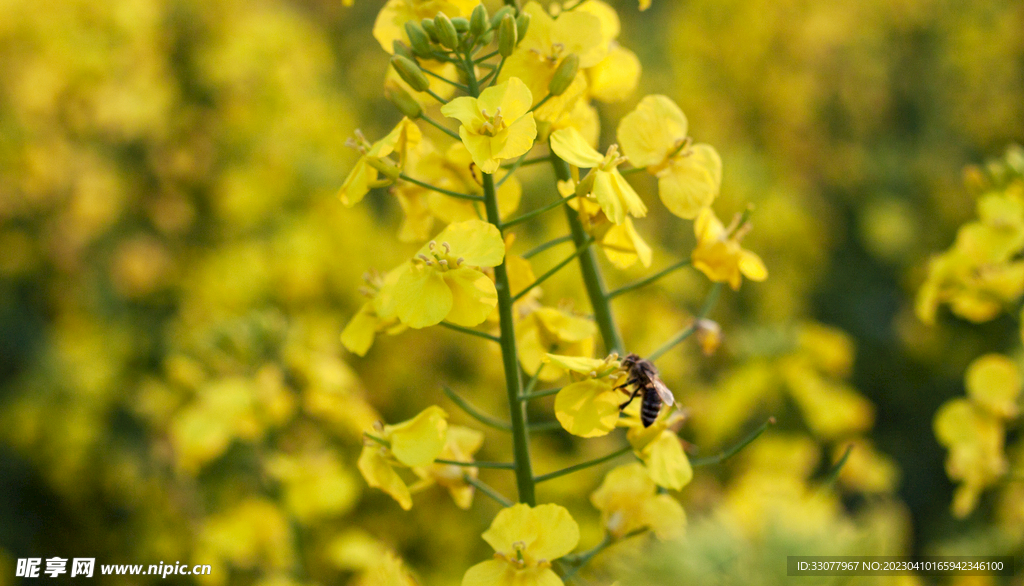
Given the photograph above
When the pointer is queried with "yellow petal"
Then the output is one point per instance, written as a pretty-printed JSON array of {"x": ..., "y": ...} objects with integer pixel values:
[
  {"x": 580, "y": 364},
  {"x": 623, "y": 246},
  {"x": 418, "y": 441},
  {"x": 421, "y": 297},
  {"x": 624, "y": 191},
  {"x": 501, "y": 573},
  {"x": 357, "y": 337},
  {"x": 994, "y": 382},
  {"x": 513, "y": 97},
  {"x": 588, "y": 408},
  {"x": 667, "y": 462},
  {"x": 665, "y": 516},
  {"x": 691, "y": 183},
  {"x": 650, "y": 132},
  {"x": 378, "y": 473},
  {"x": 517, "y": 139},
  {"x": 572, "y": 148},
  {"x": 511, "y": 524},
  {"x": 473, "y": 296},
  {"x": 480, "y": 147},
  {"x": 604, "y": 192},
  {"x": 610, "y": 25},
  {"x": 356, "y": 185},
  {"x": 559, "y": 534},
  {"x": 478, "y": 243},
  {"x": 752, "y": 266},
  {"x": 615, "y": 78},
  {"x": 464, "y": 110}
]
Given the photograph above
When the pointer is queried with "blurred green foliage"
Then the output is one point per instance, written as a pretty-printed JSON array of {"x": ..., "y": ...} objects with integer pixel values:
[{"x": 175, "y": 271}]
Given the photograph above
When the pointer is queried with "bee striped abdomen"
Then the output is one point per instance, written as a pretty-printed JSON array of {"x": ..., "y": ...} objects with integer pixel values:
[{"x": 650, "y": 407}]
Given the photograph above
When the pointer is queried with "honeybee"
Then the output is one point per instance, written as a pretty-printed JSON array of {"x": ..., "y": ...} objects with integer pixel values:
[{"x": 644, "y": 379}]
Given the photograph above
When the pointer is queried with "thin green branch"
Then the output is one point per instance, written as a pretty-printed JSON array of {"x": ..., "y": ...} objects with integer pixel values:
[
  {"x": 719, "y": 458},
  {"x": 435, "y": 96},
  {"x": 545, "y": 426},
  {"x": 512, "y": 169},
  {"x": 497, "y": 465},
  {"x": 494, "y": 74},
  {"x": 549, "y": 244},
  {"x": 531, "y": 215},
  {"x": 539, "y": 394},
  {"x": 686, "y": 332},
  {"x": 441, "y": 127},
  {"x": 455, "y": 194},
  {"x": 833, "y": 473},
  {"x": 582, "y": 465},
  {"x": 553, "y": 270},
  {"x": 379, "y": 440},
  {"x": 632, "y": 171},
  {"x": 647, "y": 281},
  {"x": 487, "y": 56},
  {"x": 577, "y": 561},
  {"x": 470, "y": 331},
  {"x": 455, "y": 84},
  {"x": 533, "y": 382},
  {"x": 541, "y": 103},
  {"x": 479, "y": 485},
  {"x": 476, "y": 413},
  {"x": 528, "y": 162}
]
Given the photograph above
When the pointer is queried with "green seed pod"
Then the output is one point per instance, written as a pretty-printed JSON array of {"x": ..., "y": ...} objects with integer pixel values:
[
  {"x": 487, "y": 38},
  {"x": 405, "y": 103},
  {"x": 461, "y": 24},
  {"x": 430, "y": 29},
  {"x": 400, "y": 48},
  {"x": 418, "y": 39},
  {"x": 508, "y": 35},
  {"x": 479, "y": 21},
  {"x": 410, "y": 73},
  {"x": 386, "y": 166},
  {"x": 446, "y": 33},
  {"x": 500, "y": 15},
  {"x": 523, "y": 25},
  {"x": 564, "y": 75}
]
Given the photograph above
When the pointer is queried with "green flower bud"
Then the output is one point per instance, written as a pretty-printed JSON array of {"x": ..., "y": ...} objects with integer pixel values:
[
  {"x": 523, "y": 24},
  {"x": 410, "y": 73},
  {"x": 564, "y": 75},
  {"x": 461, "y": 24},
  {"x": 386, "y": 166},
  {"x": 418, "y": 38},
  {"x": 405, "y": 103},
  {"x": 500, "y": 15},
  {"x": 400, "y": 48},
  {"x": 446, "y": 33},
  {"x": 487, "y": 38},
  {"x": 479, "y": 21},
  {"x": 431, "y": 29},
  {"x": 508, "y": 35}
]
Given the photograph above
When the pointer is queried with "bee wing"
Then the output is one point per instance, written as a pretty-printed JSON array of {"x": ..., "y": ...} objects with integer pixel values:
[{"x": 663, "y": 392}]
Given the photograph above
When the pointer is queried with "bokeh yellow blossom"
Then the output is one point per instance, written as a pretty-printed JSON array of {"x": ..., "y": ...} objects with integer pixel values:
[
  {"x": 628, "y": 500},
  {"x": 718, "y": 253}
]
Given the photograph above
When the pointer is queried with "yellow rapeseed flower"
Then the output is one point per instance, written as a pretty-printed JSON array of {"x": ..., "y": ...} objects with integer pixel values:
[
  {"x": 994, "y": 382},
  {"x": 615, "y": 77},
  {"x": 525, "y": 540},
  {"x": 359, "y": 333},
  {"x": 413, "y": 443},
  {"x": 549, "y": 330},
  {"x": 621, "y": 243},
  {"x": 460, "y": 445},
  {"x": 443, "y": 281},
  {"x": 589, "y": 407},
  {"x": 975, "y": 441},
  {"x": 659, "y": 448},
  {"x": 628, "y": 500},
  {"x": 718, "y": 253},
  {"x": 615, "y": 195},
  {"x": 390, "y": 24},
  {"x": 364, "y": 176},
  {"x": 654, "y": 135},
  {"x": 496, "y": 126}
]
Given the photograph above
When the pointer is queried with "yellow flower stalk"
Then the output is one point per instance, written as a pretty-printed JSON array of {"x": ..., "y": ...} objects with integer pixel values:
[
  {"x": 496, "y": 126},
  {"x": 416, "y": 442},
  {"x": 654, "y": 135},
  {"x": 526, "y": 540},
  {"x": 547, "y": 43},
  {"x": 628, "y": 500},
  {"x": 364, "y": 176},
  {"x": 615, "y": 195},
  {"x": 718, "y": 253},
  {"x": 444, "y": 282}
]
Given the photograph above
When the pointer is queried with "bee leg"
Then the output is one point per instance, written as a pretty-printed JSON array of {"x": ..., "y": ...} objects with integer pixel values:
[
  {"x": 631, "y": 397},
  {"x": 626, "y": 384}
]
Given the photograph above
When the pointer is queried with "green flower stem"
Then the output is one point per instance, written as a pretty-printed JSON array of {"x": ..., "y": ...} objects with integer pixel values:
[
  {"x": 643, "y": 282},
  {"x": 435, "y": 96},
  {"x": 582, "y": 465},
  {"x": 441, "y": 127},
  {"x": 533, "y": 382},
  {"x": 455, "y": 84},
  {"x": 487, "y": 56},
  {"x": 539, "y": 394},
  {"x": 541, "y": 103},
  {"x": 833, "y": 473},
  {"x": 379, "y": 440},
  {"x": 497, "y": 465},
  {"x": 545, "y": 426},
  {"x": 549, "y": 244},
  {"x": 719, "y": 458},
  {"x": 528, "y": 162},
  {"x": 686, "y": 332},
  {"x": 476, "y": 413},
  {"x": 632, "y": 171},
  {"x": 530, "y": 215},
  {"x": 591, "y": 272},
  {"x": 577, "y": 561},
  {"x": 512, "y": 169},
  {"x": 470, "y": 331},
  {"x": 510, "y": 358},
  {"x": 584, "y": 247},
  {"x": 455, "y": 194},
  {"x": 479, "y": 485}
]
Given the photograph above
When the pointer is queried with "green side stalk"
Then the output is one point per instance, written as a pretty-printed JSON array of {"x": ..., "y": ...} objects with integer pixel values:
[
  {"x": 509, "y": 358},
  {"x": 591, "y": 272}
]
